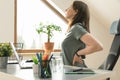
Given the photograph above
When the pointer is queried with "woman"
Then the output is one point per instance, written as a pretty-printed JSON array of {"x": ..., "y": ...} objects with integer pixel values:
[{"x": 78, "y": 42}]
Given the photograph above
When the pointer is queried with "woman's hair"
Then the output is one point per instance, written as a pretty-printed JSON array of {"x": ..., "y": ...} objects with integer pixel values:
[{"x": 82, "y": 15}]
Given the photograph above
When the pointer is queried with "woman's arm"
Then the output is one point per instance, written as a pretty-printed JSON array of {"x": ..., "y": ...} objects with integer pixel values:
[{"x": 92, "y": 45}]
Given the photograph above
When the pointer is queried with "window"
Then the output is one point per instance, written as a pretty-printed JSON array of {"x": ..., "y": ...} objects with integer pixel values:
[{"x": 29, "y": 14}]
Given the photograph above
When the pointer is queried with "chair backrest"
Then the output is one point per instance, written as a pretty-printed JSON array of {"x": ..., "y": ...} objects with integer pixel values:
[{"x": 114, "y": 53}]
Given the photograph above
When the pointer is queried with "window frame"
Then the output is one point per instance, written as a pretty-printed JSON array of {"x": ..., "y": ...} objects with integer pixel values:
[{"x": 52, "y": 7}]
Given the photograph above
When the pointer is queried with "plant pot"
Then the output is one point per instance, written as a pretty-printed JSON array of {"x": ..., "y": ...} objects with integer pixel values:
[
  {"x": 35, "y": 68},
  {"x": 3, "y": 62},
  {"x": 49, "y": 47}
]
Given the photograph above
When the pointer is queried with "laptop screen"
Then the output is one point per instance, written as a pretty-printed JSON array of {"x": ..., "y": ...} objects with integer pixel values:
[{"x": 15, "y": 52}]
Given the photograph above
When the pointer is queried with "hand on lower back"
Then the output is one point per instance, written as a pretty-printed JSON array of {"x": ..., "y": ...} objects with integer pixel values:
[{"x": 77, "y": 59}]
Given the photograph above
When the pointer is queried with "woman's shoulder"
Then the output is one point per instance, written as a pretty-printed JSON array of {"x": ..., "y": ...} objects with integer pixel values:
[{"x": 78, "y": 26}]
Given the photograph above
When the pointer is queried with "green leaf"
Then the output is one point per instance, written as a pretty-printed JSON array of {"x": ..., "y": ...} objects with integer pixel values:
[
  {"x": 48, "y": 30},
  {"x": 35, "y": 60}
]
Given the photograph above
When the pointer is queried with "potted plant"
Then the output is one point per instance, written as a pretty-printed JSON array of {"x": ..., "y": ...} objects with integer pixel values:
[
  {"x": 35, "y": 65},
  {"x": 5, "y": 52},
  {"x": 48, "y": 29}
]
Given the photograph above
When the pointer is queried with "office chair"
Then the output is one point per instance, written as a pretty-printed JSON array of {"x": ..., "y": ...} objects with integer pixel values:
[{"x": 114, "y": 53}]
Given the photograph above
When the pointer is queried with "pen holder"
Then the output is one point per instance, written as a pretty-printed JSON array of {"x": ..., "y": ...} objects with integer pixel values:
[{"x": 44, "y": 70}]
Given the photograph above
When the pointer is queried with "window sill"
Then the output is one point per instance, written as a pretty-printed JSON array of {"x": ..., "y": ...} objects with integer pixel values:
[{"x": 35, "y": 50}]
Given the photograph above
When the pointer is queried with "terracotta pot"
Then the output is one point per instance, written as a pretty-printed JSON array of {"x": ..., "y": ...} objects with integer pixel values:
[{"x": 49, "y": 47}]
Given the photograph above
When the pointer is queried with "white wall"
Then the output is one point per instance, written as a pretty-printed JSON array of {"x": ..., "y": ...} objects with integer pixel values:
[{"x": 6, "y": 20}]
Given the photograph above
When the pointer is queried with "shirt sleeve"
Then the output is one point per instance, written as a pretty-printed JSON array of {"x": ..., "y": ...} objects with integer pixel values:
[{"x": 78, "y": 31}]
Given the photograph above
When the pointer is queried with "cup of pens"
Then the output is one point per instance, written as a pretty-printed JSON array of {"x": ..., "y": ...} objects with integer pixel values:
[{"x": 44, "y": 70}]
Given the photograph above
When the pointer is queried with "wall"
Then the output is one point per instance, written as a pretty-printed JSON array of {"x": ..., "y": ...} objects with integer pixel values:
[{"x": 6, "y": 20}]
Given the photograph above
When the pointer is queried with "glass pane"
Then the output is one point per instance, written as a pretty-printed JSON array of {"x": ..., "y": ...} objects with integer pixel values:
[{"x": 29, "y": 14}]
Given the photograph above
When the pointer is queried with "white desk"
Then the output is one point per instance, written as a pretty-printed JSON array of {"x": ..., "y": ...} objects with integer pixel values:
[{"x": 27, "y": 74}]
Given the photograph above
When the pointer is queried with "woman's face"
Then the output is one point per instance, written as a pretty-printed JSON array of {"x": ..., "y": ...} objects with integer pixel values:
[{"x": 70, "y": 13}]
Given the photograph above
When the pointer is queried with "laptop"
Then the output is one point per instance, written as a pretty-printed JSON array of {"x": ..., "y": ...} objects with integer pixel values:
[{"x": 24, "y": 64}]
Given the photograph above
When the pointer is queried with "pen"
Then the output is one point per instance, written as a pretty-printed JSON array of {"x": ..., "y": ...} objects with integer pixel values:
[
  {"x": 38, "y": 56},
  {"x": 50, "y": 57},
  {"x": 79, "y": 73},
  {"x": 77, "y": 70},
  {"x": 41, "y": 57}
]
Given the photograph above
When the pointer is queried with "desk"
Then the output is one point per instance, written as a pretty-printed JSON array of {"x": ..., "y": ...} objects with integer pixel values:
[{"x": 27, "y": 74}]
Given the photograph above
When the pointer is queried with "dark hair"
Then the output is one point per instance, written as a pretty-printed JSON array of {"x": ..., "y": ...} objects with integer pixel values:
[{"x": 82, "y": 15}]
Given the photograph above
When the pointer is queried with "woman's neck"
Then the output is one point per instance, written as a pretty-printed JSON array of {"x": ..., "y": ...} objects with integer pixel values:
[{"x": 69, "y": 24}]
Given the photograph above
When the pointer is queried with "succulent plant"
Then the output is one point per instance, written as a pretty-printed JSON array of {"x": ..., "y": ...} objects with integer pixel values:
[
  {"x": 5, "y": 50},
  {"x": 35, "y": 60}
]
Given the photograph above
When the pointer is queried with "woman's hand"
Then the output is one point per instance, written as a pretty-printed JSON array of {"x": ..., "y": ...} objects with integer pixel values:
[{"x": 77, "y": 59}]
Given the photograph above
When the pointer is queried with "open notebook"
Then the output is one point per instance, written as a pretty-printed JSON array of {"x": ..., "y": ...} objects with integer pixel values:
[
  {"x": 24, "y": 64},
  {"x": 78, "y": 70}
]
